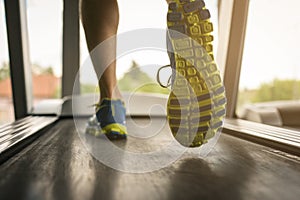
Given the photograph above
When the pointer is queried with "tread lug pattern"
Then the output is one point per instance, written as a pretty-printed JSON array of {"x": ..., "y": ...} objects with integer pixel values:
[
  {"x": 196, "y": 105},
  {"x": 193, "y": 6}
]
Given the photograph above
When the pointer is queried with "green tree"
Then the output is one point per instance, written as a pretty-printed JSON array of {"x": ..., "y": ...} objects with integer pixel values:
[
  {"x": 275, "y": 90},
  {"x": 48, "y": 70},
  {"x": 278, "y": 90},
  {"x": 88, "y": 88},
  {"x": 4, "y": 71},
  {"x": 137, "y": 80},
  {"x": 38, "y": 69}
]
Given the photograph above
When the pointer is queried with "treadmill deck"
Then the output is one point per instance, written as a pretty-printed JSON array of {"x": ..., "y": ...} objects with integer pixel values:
[{"x": 58, "y": 166}]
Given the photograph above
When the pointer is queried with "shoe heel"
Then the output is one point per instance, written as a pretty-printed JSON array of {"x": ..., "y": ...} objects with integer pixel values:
[{"x": 196, "y": 105}]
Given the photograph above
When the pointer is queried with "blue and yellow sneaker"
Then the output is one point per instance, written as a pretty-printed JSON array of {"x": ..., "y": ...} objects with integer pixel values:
[
  {"x": 196, "y": 104},
  {"x": 110, "y": 120}
]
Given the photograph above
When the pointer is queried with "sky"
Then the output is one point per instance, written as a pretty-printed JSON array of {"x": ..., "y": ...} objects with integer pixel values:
[
  {"x": 45, "y": 33},
  {"x": 272, "y": 46}
]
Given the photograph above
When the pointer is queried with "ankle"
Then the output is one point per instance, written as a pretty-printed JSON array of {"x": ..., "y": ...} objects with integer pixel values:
[{"x": 115, "y": 94}]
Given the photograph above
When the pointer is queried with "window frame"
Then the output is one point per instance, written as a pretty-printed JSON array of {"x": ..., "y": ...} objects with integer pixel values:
[
  {"x": 232, "y": 30},
  {"x": 17, "y": 33},
  {"x": 16, "y": 24}
]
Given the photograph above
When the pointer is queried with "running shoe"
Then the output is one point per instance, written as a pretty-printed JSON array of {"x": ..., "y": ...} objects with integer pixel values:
[
  {"x": 196, "y": 104},
  {"x": 110, "y": 119}
]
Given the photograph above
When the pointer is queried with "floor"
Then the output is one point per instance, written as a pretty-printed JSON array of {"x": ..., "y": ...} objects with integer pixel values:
[{"x": 58, "y": 165}]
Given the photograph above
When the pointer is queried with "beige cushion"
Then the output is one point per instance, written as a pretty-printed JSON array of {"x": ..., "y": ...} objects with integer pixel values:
[
  {"x": 276, "y": 113},
  {"x": 290, "y": 114}
]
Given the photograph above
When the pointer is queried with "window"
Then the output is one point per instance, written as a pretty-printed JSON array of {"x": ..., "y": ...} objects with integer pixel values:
[
  {"x": 6, "y": 102},
  {"x": 44, "y": 18},
  {"x": 143, "y": 63},
  {"x": 270, "y": 76}
]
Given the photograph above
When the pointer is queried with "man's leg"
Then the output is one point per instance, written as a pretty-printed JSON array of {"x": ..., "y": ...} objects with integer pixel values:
[{"x": 100, "y": 20}]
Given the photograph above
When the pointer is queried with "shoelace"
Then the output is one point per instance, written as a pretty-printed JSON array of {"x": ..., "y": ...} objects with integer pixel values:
[
  {"x": 96, "y": 106},
  {"x": 158, "y": 78}
]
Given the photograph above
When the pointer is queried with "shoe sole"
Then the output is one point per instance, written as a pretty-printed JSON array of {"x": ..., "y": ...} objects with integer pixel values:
[
  {"x": 115, "y": 131},
  {"x": 112, "y": 131},
  {"x": 196, "y": 105}
]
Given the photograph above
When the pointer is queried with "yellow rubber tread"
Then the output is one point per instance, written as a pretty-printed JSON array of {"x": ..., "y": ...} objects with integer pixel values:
[
  {"x": 196, "y": 105},
  {"x": 112, "y": 131},
  {"x": 122, "y": 130}
]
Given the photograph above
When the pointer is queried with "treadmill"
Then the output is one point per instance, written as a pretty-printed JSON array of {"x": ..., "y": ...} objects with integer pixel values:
[{"x": 45, "y": 154}]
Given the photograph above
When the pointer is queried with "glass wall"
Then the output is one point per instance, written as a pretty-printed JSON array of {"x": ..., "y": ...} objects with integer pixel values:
[
  {"x": 6, "y": 103},
  {"x": 136, "y": 70},
  {"x": 271, "y": 68},
  {"x": 45, "y": 18}
]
